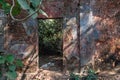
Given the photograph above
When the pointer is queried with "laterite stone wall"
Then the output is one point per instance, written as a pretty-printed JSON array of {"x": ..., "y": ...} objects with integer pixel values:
[
  {"x": 21, "y": 39},
  {"x": 91, "y": 31},
  {"x": 100, "y": 32}
]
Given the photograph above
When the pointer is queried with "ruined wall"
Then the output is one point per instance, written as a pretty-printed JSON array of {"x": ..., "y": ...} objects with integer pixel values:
[
  {"x": 70, "y": 39},
  {"x": 99, "y": 38},
  {"x": 107, "y": 16},
  {"x": 21, "y": 39},
  {"x": 88, "y": 32},
  {"x": 53, "y": 8},
  {"x": 100, "y": 32}
]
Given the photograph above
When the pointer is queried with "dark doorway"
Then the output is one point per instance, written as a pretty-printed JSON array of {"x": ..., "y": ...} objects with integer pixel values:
[{"x": 50, "y": 44}]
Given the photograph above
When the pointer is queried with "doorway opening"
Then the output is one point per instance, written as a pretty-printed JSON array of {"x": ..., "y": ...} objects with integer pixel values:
[{"x": 50, "y": 44}]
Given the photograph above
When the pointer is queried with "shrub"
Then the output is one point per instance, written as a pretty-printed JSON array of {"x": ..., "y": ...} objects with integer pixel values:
[{"x": 8, "y": 66}]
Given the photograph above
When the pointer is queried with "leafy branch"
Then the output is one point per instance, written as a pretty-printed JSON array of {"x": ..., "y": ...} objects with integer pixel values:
[
  {"x": 31, "y": 6},
  {"x": 24, "y": 7},
  {"x": 8, "y": 66}
]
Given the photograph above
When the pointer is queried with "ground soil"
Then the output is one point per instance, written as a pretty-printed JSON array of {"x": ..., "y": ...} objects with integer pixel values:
[{"x": 55, "y": 72}]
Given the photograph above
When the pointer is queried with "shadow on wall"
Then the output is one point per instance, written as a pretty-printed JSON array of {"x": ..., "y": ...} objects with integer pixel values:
[{"x": 88, "y": 32}]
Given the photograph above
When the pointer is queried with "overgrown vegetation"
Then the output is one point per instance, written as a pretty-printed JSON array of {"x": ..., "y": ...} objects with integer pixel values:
[
  {"x": 90, "y": 76},
  {"x": 74, "y": 77},
  {"x": 50, "y": 36},
  {"x": 14, "y": 8},
  {"x": 8, "y": 66}
]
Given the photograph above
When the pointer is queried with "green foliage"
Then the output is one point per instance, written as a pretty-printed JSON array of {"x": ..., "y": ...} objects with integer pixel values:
[
  {"x": 43, "y": 13},
  {"x": 8, "y": 65},
  {"x": 5, "y": 6},
  {"x": 35, "y": 3},
  {"x": 12, "y": 67},
  {"x": 31, "y": 6},
  {"x": 31, "y": 11},
  {"x": 9, "y": 58},
  {"x": 50, "y": 35},
  {"x": 2, "y": 59},
  {"x": 16, "y": 9},
  {"x": 18, "y": 63},
  {"x": 12, "y": 75},
  {"x": 91, "y": 75},
  {"x": 24, "y": 4},
  {"x": 74, "y": 77}
]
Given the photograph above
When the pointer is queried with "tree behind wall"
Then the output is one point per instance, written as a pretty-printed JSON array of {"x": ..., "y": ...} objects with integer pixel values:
[{"x": 50, "y": 36}]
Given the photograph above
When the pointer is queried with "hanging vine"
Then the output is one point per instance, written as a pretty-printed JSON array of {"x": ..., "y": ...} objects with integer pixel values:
[{"x": 14, "y": 8}]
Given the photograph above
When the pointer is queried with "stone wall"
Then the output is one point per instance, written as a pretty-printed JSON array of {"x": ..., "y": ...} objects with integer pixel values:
[
  {"x": 99, "y": 36},
  {"x": 21, "y": 39},
  {"x": 106, "y": 14},
  {"x": 53, "y": 8},
  {"x": 70, "y": 35},
  {"x": 100, "y": 32}
]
